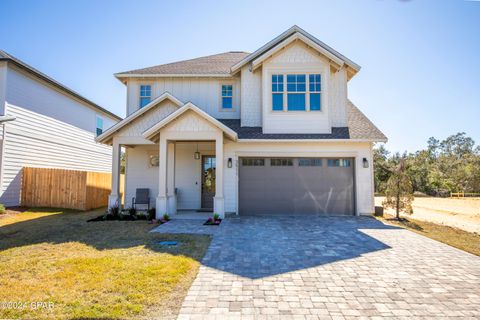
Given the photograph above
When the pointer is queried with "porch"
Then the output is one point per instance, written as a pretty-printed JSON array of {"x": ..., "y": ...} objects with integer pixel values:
[{"x": 180, "y": 159}]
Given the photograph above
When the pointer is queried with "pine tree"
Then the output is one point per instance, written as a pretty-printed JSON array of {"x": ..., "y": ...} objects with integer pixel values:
[{"x": 399, "y": 190}]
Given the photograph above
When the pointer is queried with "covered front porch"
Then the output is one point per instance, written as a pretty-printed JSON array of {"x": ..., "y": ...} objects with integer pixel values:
[{"x": 179, "y": 159}]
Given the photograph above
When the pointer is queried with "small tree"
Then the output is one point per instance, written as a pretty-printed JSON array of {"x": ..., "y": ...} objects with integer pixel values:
[{"x": 399, "y": 190}]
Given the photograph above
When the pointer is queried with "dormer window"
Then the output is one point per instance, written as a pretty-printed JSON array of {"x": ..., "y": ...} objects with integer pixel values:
[
  {"x": 277, "y": 92},
  {"x": 296, "y": 88},
  {"x": 227, "y": 96},
  {"x": 303, "y": 92},
  {"x": 315, "y": 89},
  {"x": 145, "y": 94}
]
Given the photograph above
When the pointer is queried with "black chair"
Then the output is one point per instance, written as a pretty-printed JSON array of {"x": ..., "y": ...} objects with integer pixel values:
[{"x": 142, "y": 197}]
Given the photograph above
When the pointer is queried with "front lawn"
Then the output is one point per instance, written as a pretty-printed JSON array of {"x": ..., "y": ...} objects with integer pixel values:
[
  {"x": 111, "y": 269},
  {"x": 466, "y": 241}
]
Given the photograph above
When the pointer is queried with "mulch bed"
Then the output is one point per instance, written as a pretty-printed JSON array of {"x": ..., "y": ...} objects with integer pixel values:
[{"x": 211, "y": 222}]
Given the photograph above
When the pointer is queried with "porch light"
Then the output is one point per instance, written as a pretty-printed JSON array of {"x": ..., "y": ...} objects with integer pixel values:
[
  {"x": 196, "y": 155},
  {"x": 365, "y": 163},
  {"x": 229, "y": 163}
]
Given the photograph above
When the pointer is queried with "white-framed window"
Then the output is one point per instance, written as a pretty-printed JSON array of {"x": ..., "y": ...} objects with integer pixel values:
[
  {"x": 145, "y": 94},
  {"x": 227, "y": 96},
  {"x": 99, "y": 125},
  {"x": 302, "y": 92}
]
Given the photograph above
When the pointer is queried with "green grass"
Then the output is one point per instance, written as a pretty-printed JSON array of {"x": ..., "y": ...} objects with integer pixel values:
[
  {"x": 466, "y": 241},
  {"x": 109, "y": 269}
]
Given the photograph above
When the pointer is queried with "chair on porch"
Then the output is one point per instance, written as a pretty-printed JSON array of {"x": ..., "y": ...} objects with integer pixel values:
[{"x": 142, "y": 197}]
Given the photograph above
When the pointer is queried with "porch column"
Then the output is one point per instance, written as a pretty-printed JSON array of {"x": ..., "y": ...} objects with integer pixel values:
[
  {"x": 218, "y": 201},
  {"x": 114, "y": 197},
  {"x": 171, "y": 196},
  {"x": 161, "y": 202}
]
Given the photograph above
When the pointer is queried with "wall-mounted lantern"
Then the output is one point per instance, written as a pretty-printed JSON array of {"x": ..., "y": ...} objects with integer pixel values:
[
  {"x": 196, "y": 155},
  {"x": 365, "y": 163},
  {"x": 229, "y": 162}
]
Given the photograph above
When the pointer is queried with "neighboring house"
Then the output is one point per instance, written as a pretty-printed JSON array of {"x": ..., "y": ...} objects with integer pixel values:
[
  {"x": 270, "y": 132},
  {"x": 52, "y": 127}
]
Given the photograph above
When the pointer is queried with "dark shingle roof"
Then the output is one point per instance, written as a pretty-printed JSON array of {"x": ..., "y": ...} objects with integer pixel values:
[
  {"x": 4, "y": 56},
  {"x": 215, "y": 64},
  {"x": 359, "y": 128}
]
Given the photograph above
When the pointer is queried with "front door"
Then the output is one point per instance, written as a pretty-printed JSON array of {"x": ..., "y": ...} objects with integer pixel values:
[{"x": 208, "y": 181}]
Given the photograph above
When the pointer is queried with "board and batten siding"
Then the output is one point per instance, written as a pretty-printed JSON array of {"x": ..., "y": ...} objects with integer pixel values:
[
  {"x": 205, "y": 93},
  {"x": 35, "y": 140}
]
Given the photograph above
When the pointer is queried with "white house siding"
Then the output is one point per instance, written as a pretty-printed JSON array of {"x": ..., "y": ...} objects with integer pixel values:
[
  {"x": 139, "y": 172},
  {"x": 3, "y": 85},
  {"x": 188, "y": 179},
  {"x": 251, "y": 98},
  {"x": 359, "y": 150},
  {"x": 35, "y": 140},
  {"x": 51, "y": 130},
  {"x": 338, "y": 98},
  {"x": 37, "y": 96},
  {"x": 203, "y": 92},
  {"x": 296, "y": 58}
]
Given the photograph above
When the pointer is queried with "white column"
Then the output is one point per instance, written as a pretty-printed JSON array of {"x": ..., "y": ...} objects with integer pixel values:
[
  {"x": 171, "y": 196},
  {"x": 218, "y": 201},
  {"x": 114, "y": 197},
  {"x": 161, "y": 203}
]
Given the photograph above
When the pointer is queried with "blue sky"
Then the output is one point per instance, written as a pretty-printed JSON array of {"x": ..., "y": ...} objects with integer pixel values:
[{"x": 420, "y": 59}]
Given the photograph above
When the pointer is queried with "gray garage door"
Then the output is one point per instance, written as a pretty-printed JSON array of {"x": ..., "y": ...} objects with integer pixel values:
[{"x": 296, "y": 186}]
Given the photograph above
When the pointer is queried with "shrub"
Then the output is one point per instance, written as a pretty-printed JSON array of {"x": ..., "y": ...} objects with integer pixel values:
[
  {"x": 113, "y": 213},
  {"x": 166, "y": 217},
  {"x": 151, "y": 214},
  {"x": 132, "y": 211},
  {"x": 2, "y": 209},
  {"x": 216, "y": 216}
]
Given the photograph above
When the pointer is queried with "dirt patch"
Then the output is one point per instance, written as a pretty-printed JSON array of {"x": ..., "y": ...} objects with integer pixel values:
[{"x": 458, "y": 213}]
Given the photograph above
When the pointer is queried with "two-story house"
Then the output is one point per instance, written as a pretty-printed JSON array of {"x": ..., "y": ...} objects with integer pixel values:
[
  {"x": 51, "y": 126},
  {"x": 268, "y": 132}
]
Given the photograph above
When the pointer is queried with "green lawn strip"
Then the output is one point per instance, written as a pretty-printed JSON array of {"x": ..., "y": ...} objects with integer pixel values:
[{"x": 110, "y": 269}]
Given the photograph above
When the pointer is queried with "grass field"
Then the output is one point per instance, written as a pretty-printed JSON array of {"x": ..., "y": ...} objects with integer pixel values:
[
  {"x": 467, "y": 241},
  {"x": 111, "y": 269},
  {"x": 463, "y": 213}
]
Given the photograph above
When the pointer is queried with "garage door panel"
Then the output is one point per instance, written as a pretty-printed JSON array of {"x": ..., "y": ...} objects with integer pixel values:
[{"x": 287, "y": 190}]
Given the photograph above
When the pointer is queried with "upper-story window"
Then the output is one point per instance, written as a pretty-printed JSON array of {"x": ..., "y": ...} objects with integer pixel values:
[
  {"x": 277, "y": 92},
  {"x": 315, "y": 87},
  {"x": 145, "y": 94},
  {"x": 227, "y": 96},
  {"x": 296, "y": 88},
  {"x": 303, "y": 92},
  {"x": 99, "y": 125}
]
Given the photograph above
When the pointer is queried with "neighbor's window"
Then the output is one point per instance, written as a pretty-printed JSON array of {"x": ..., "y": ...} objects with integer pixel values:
[
  {"x": 145, "y": 95},
  {"x": 310, "y": 162},
  {"x": 296, "y": 88},
  {"x": 338, "y": 162},
  {"x": 227, "y": 96},
  {"x": 315, "y": 89},
  {"x": 277, "y": 92},
  {"x": 253, "y": 162},
  {"x": 99, "y": 125},
  {"x": 285, "y": 162}
]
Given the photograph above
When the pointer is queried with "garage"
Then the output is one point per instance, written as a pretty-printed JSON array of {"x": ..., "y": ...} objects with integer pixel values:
[{"x": 296, "y": 186}]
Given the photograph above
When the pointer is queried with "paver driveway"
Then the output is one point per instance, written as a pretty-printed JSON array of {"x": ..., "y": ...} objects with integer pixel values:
[{"x": 327, "y": 267}]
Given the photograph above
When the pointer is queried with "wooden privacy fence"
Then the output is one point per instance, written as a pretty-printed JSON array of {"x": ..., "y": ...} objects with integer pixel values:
[
  {"x": 59, "y": 188},
  {"x": 463, "y": 194}
]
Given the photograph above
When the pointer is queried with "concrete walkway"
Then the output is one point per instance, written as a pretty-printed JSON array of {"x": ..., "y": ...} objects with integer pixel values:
[{"x": 327, "y": 268}]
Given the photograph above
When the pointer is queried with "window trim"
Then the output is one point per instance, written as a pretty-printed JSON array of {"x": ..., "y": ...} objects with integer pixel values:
[
  {"x": 140, "y": 94},
  {"x": 234, "y": 107},
  {"x": 296, "y": 71},
  {"x": 98, "y": 117}
]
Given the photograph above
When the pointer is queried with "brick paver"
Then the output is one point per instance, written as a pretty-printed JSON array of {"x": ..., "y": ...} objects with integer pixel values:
[{"x": 327, "y": 268}]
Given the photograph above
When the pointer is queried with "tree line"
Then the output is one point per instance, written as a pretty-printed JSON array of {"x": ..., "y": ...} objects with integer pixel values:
[{"x": 450, "y": 165}]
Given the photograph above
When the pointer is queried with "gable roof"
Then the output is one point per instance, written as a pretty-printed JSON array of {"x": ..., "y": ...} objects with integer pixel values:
[
  {"x": 105, "y": 136},
  {"x": 214, "y": 65},
  {"x": 359, "y": 128},
  {"x": 4, "y": 56},
  {"x": 304, "y": 36},
  {"x": 149, "y": 133}
]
